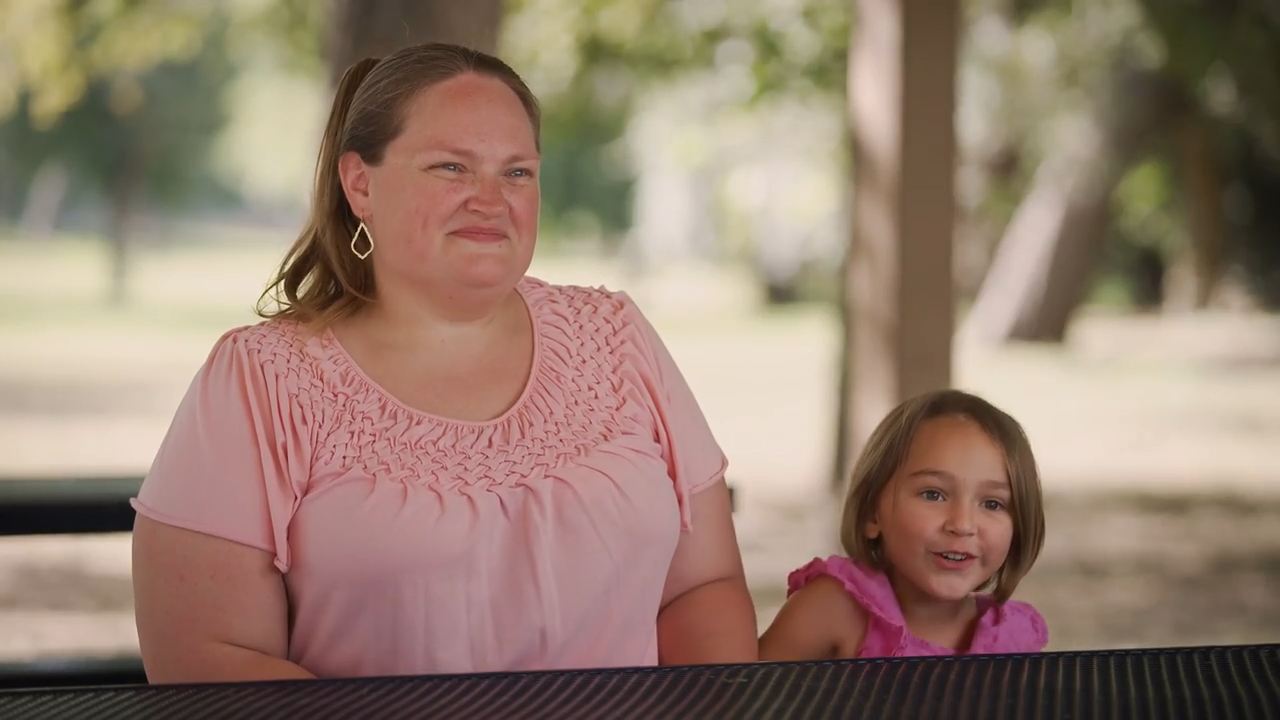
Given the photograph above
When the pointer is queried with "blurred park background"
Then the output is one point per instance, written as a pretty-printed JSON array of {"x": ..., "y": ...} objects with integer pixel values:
[{"x": 1104, "y": 251}]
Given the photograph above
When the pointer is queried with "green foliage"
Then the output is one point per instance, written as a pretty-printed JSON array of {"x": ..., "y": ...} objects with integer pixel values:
[
  {"x": 1039, "y": 73},
  {"x": 1228, "y": 53},
  {"x": 1146, "y": 208},
  {"x": 1253, "y": 216},
  {"x": 53, "y": 51},
  {"x": 1147, "y": 231},
  {"x": 590, "y": 61},
  {"x": 294, "y": 29},
  {"x": 585, "y": 191},
  {"x": 152, "y": 127},
  {"x": 109, "y": 88},
  {"x": 786, "y": 45}
]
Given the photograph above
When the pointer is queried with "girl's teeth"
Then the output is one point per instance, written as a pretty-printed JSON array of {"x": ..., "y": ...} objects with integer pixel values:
[{"x": 955, "y": 556}]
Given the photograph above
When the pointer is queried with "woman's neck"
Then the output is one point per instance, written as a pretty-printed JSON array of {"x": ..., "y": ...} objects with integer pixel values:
[{"x": 426, "y": 320}]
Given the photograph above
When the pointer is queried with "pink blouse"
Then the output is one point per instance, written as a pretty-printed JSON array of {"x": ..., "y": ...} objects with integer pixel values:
[
  {"x": 1009, "y": 627},
  {"x": 412, "y": 543}
]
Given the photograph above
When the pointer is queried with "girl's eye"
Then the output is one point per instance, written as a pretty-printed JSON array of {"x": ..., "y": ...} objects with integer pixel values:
[
  {"x": 931, "y": 495},
  {"x": 994, "y": 505}
]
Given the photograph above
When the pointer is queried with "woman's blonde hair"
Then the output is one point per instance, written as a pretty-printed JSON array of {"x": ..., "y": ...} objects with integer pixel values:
[
  {"x": 320, "y": 280},
  {"x": 887, "y": 449}
]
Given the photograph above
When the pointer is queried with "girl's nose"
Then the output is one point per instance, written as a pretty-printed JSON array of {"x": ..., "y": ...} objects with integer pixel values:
[{"x": 959, "y": 520}]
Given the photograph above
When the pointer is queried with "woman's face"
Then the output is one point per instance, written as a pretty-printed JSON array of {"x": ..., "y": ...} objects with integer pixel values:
[{"x": 453, "y": 206}]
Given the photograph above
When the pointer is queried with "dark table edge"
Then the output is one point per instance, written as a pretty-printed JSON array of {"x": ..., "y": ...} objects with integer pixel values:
[{"x": 654, "y": 670}]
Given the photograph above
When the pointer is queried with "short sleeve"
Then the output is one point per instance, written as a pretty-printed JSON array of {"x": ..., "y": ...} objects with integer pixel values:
[
  {"x": 233, "y": 462},
  {"x": 1013, "y": 626},
  {"x": 869, "y": 588},
  {"x": 886, "y": 634},
  {"x": 694, "y": 458}
]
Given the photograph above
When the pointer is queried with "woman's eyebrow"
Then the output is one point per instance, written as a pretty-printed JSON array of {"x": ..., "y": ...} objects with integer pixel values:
[{"x": 519, "y": 157}]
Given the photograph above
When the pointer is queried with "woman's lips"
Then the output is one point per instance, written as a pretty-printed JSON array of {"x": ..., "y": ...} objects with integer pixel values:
[{"x": 480, "y": 234}]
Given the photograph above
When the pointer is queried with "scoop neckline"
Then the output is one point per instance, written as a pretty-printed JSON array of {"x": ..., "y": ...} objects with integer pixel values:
[{"x": 529, "y": 383}]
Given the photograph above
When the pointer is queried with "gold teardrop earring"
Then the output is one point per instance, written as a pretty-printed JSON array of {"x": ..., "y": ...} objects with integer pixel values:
[{"x": 354, "y": 238}]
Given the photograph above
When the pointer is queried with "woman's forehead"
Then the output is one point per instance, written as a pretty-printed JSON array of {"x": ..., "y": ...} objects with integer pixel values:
[{"x": 465, "y": 108}]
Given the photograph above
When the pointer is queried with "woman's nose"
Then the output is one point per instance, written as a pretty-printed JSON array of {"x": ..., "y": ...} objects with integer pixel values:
[{"x": 486, "y": 196}]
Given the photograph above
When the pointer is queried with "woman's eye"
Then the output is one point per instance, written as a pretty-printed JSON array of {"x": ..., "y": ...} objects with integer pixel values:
[
  {"x": 993, "y": 504},
  {"x": 931, "y": 495},
  {"x": 449, "y": 167},
  {"x": 520, "y": 173}
]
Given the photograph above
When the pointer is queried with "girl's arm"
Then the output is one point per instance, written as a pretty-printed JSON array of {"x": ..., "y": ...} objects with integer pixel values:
[
  {"x": 208, "y": 609},
  {"x": 707, "y": 615},
  {"x": 818, "y": 622}
]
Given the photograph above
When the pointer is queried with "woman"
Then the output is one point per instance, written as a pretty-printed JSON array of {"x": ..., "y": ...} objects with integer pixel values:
[{"x": 425, "y": 461}]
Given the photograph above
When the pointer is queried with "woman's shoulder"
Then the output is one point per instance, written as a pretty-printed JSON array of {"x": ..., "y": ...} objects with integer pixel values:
[
  {"x": 581, "y": 310},
  {"x": 578, "y": 297},
  {"x": 268, "y": 336},
  {"x": 272, "y": 345}
]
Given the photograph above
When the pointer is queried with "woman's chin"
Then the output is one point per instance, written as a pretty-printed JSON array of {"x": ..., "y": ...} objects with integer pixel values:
[{"x": 489, "y": 275}]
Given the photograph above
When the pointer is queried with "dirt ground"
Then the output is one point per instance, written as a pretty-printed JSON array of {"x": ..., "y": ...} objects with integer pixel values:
[{"x": 1158, "y": 439}]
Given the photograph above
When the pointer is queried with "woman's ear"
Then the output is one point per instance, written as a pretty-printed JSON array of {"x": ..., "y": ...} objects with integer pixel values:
[{"x": 353, "y": 172}]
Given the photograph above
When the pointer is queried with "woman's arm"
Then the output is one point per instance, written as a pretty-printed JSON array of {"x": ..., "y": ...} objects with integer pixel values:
[
  {"x": 208, "y": 609},
  {"x": 707, "y": 615},
  {"x": 818, "y": 622}
]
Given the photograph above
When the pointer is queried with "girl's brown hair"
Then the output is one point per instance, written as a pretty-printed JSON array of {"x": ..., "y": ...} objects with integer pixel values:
[
  {"x": 320, "y": 280},
  {"x": 887, "y": 449}
]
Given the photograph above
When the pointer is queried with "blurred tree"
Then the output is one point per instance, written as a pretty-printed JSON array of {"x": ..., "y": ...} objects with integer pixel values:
[
  {"x": 375, "y": 28},
  {"x": 593, "y": 61},
  {"x": 1166, "y": 77},
  {"x": 1252, "y": 213},
  {"x": 1227, "y": 54},
  {"x": 1051, "y": 246},
  {"x": 121, "y": 96},
  {"x": 53, "y": 51}
]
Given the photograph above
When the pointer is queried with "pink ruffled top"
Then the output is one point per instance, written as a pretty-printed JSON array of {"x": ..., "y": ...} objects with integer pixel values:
[
  {"x": 1009, "y": 627},
  {"x": 412, "y": 543}
]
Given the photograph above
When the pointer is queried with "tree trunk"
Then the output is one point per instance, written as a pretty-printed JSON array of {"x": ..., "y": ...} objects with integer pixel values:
[
  {"x": 1195, "y": 274},
  {"x": 44, "y": 200},
  {"x": 124, "y": 193},
  {"x": 1049, "y": 250},
  {"x": 898, "y": 288},
  {"x": 376, "y": 28}
]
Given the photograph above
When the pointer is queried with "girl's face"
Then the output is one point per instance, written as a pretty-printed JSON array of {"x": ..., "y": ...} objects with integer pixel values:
[
  {"x": 453, "y": 206},
  {"x": 943, "y": 519}
]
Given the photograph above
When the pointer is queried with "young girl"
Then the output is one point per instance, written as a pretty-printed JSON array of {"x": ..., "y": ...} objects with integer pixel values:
[{"x": 944, "y": 501}]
